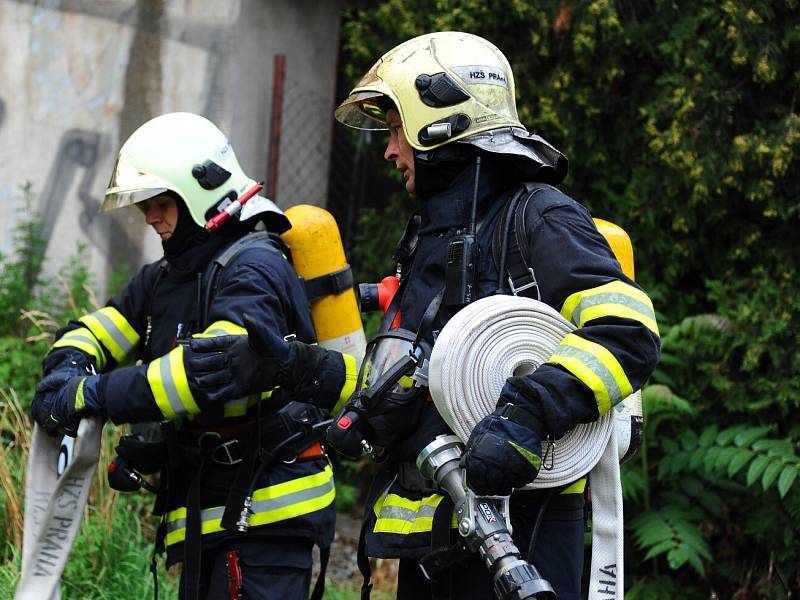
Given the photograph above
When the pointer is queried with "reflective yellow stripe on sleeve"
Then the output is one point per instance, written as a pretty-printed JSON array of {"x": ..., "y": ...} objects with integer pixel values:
[
  {"x": 239, "y": 406},
  {"x": 614, "y": 299},
  {"x": 596, "y": 367},
  {"x": 113, "y": 331},
  {"x": 350, "y": 377},
  {"x": 576, "y": 488},
  {"x": 170, "y": 387},
  {"x": 218, "y": 328},
  {"x": 80, "y": 402},
  {"x": 271, "y": 504},
  {"x": 83, "y": 339}
]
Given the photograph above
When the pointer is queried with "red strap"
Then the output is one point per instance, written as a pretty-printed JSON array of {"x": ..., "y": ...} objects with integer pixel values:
[
  {"x": 234, "y": 574},
  {"x": 313, "y": 451}
]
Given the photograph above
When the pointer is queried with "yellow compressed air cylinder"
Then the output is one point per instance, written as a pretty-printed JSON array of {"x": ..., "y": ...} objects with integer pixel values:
[
  {"x": 316, "y": 251},
  {"x": 620, "y": 244},
  {"x": 628, "y": 414}
]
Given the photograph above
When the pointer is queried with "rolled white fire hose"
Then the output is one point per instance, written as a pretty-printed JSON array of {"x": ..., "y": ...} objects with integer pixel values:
[
  {"x": 60, "y": 473},
  {"x": 500, "y": 336}
]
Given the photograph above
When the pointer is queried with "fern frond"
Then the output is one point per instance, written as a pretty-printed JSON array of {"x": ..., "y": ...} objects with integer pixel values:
[
  {"x": 672, "y": 531},
  {"x": 724, "y": 453}
]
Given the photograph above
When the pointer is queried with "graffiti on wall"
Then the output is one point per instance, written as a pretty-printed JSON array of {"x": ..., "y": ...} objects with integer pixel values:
[
  {"x": 72, "y": 181},
  {"x": 76, "y": 160}
]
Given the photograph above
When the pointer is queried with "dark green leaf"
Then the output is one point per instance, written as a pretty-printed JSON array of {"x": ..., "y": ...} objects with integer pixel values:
[
  {"x": 688, "y": 439},
  {"x": 724, "y": 458},
  {"x": 770, "y": 473},
  {"x": 677, "y": 557},
  {"x": 788, "y": 475},
  {"x": 659, "y": 548},
  {"x": 725, "y": 436},
  {"x": 742, "y": 457},
  {"x": 708, "y": 436},
  {"x": 756, "y": 469},
  {"x": 747, "y": 437}
]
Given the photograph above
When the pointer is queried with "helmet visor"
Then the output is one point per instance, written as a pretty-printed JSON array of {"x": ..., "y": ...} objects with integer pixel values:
[
  {"x": 364, "y": 110},
  {"x": 130, "y": 186}
]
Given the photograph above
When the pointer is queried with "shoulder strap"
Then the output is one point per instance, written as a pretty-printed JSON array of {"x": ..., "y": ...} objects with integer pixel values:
[
  {"x": 213, "y": 273},
  {"x": 511, "y": 251}
]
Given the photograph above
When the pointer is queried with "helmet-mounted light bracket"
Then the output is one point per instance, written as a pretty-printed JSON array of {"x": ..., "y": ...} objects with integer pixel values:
[
  {"x": 435, "y": 132},
  {"x": 210, "y": 175}
]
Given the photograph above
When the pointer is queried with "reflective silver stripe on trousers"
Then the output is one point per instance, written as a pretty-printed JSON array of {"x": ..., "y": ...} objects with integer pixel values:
[
  {"x": 176, "y": 525},
  {"x": 263, "y": 506},
  {"x": 406, "y": 514}
]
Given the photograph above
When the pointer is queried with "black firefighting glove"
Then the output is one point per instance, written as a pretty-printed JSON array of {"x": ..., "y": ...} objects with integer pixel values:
[
  {"x": 504, "y": 451},
  {"x": 63, "y": 398},
  {"x": 232, "y": 366}
]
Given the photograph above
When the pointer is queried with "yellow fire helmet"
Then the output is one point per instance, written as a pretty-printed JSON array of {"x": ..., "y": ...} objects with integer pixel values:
[
  {"x": 188, "y": 155},
  {"x": 450, "y": 86}
]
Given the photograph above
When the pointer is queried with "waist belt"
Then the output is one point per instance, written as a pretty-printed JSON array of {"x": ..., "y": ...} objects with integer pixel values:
[{"x": 231, "y": 451}]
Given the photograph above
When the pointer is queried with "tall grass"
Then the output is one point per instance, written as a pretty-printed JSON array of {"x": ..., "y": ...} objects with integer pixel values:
[{"x": 111, "y": 556}]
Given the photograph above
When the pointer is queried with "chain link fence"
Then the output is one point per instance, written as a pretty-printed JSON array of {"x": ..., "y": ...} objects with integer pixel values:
[{"x": 306, "y": 123}]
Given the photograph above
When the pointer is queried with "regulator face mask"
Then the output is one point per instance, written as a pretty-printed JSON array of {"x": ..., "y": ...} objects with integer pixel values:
[
  {"x": 389, "y": 386},
  {"x": 390, "y": 389}
]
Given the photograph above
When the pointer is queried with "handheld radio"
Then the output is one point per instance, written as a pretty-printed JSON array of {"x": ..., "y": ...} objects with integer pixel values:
[{"x": 462, "y": 254}]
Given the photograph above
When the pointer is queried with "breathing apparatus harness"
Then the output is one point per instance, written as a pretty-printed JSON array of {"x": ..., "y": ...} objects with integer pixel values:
[{"x": 300, "y": 427}]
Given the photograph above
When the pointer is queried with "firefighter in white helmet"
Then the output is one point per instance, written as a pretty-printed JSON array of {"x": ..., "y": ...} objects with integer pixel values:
[{"x": 246, "y": 490}]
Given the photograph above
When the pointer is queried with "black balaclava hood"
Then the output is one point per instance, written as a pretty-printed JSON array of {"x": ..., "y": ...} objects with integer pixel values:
[
  {"x": 435, "y": 170},
  {"x": 187, "y": 233}
]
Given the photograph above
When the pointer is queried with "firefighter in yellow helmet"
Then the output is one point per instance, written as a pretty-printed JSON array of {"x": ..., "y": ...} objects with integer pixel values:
[
  {"x": 246, "y": 490},
  {"x": 448, "y": 102}
]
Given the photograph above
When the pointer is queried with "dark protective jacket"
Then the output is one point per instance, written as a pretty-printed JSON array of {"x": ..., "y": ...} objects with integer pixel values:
[
  {"x": 613, "y": 351},
  {"x": 144, "y": 324}
]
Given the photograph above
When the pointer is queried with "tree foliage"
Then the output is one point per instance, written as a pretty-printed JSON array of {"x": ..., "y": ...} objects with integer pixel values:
[{"x": 681, "y": 124}]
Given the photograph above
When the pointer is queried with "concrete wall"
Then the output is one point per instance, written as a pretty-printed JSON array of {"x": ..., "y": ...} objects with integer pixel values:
[{"x": 78, "y": 76}]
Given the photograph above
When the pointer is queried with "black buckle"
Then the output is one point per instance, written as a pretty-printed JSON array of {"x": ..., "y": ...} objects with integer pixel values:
[{"x": 227, "y": 453}]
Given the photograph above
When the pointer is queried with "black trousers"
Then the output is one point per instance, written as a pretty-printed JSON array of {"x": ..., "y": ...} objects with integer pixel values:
[
  {"x": 272, "y": 568},
  {"x": 557, "y": 555}
]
